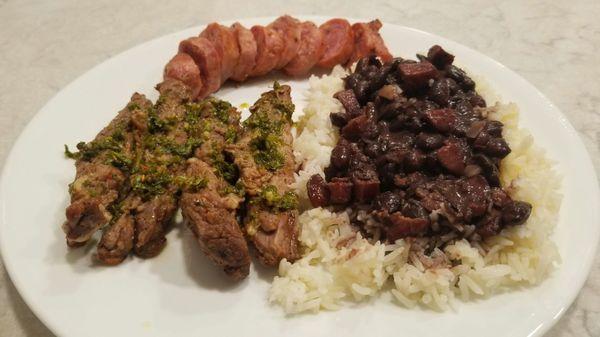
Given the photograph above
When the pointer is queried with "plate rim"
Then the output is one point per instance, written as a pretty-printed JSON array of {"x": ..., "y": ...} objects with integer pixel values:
[{"x": 59, "y": 331}]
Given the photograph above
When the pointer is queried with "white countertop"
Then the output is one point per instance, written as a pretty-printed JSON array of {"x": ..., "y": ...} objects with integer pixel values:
[{"x": 553, "y": 44}]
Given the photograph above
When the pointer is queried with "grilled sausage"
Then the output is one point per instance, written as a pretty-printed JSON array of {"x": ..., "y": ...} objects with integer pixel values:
[
  {"x": 226, "y": 46},
  {"x": 269, "y": 46},
  {"x": 207, "y": 58},
  {"x": 338, "y": 41},
  {"x": 309, "y": 51},
  {"x": 247, "y": 47},
  {"x": 182, "y": 67},
  {"x": 289, "y": 30}
]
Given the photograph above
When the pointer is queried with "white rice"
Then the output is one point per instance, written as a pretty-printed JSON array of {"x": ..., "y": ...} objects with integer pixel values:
[{"x": 339, "y": 266}]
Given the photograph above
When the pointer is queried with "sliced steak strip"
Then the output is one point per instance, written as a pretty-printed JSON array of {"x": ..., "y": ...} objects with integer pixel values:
[
  {"x": 226, "y": 45},
  {"x": 208, "y": 60},
  {"x": 289, "y": 30},
  {"x": 338, "y": 42},
  {"x": 160, "y": 163},
  {"x": 264, "y": 155},
  {"x": 269, "y": 47},
  {"x": 309, "y": 52},
  {"x": 211, "y": 215},
  {"x": 247, "y": 47},
  {"x": 367, "y": 42},
  {"x": 101, "y": 175},
  {"x": 117, "y": 239},
  {"x": 182, "y": 67},
  {"x": 210, "y": 209}
]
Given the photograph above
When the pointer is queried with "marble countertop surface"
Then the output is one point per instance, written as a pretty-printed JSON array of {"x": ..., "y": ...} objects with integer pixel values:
[{"x": 553, "y": 44}]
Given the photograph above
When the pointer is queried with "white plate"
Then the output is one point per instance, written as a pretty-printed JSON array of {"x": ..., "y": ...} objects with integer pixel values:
[{"x": 180, "y": 293}]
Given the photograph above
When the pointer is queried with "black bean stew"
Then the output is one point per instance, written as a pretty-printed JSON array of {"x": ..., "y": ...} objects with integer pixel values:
[{"x": 417, "y": 154}]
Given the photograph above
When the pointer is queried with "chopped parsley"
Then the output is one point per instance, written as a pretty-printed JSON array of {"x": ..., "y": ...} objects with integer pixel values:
[{"x": 271, "y": 197}]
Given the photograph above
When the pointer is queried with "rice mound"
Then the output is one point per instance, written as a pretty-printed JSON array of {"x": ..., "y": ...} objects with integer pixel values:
[{"x": 340, "y": 266}]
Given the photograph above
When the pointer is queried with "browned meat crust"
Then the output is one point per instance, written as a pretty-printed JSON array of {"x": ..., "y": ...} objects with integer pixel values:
[
  {"x": 226, "y": 45},
  {"x": 117, "y": 239},
  {"x": 211, "y": 215},
  {"x": 97, "y": 183},
  {"x": 211, "y": 210},
  {"x": 264, "y": 157}
]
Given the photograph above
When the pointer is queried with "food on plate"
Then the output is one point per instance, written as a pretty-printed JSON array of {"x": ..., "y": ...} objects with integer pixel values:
[
  {"x": 367, "y": 41},
  {"x": 211, "y": 208},
  {"x": 208, "y": 60},
  {"x": 182, "y": 67},
  {"x": 226, "y": 44},
  {"x": 295, "y": 47},
  {"x": 417, "y": 155},
  {"x": 309, "y": 50},
  {"x": 264, "y": 157},
  {"x": 101, "y": 174},
  {"x": 289, "y": 29},
  {"x": 247, "y": 47},
  {"x": 338, "y": 42},
  {"x": 269, "y": 46},
  {"x": 153, "y": 159},
  {"x": 410, "y": 183},
  {"x": 398, "y": 173}
]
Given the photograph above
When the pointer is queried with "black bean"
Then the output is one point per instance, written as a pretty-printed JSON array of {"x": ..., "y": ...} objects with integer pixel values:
[
  {"x": 515, "y": 213},
  {"x": 430, "y": 141},
  {"x": 497, "y": 147},
  {"x": 317, "y": 190},
  {"x": 388, "y": 201},
  {"x": 338, "y": 119}
]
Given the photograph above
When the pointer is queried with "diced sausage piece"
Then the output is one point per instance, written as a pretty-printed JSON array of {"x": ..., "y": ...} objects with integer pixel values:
[
  {"x": 289, "y": 30},
  {"x": 349, "y": 101},
  {"x": 452, "y": 156},
  {"x": 338, "y": 42},
  {"x": 226, "y": 45},
  {"x": 247, "y": 47},
  {"x": 367, "y": 42},
  {"x": 207, "y": 58},
  {"x": 318, "y": 193},
  {"x": 515, "y": 213},
  {"x": 439, "y": 57},
  {"x": 309, "y": 52},
  {"x": 355, "y": 127},
  {"x": 269, "y": 46},
  {"x": 400, "y": 226},
  {"x": 443, "y": 120},
  {"x": 182, "y": 67},
  {"x": 416, "y": 75},
  {"x": 365, "y": 190},
  {"x": 340, "y": 156},
  {"x": 340, "y": 190}
]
